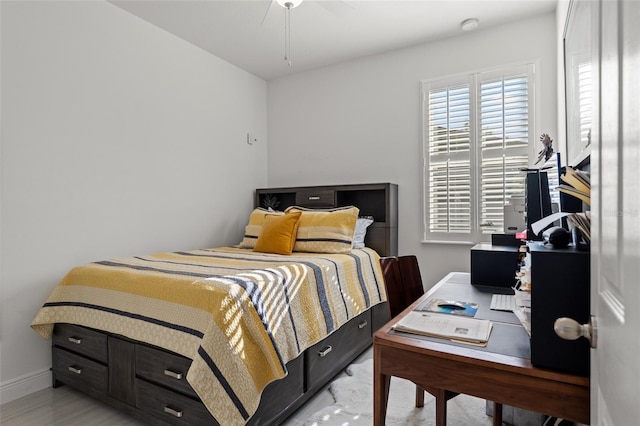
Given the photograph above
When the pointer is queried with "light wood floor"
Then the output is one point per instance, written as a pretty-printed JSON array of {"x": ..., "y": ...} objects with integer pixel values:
[{"x": 65, "y": 406}]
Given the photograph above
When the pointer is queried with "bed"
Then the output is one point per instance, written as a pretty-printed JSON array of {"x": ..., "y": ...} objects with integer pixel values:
[{"x": 229, "y": 335}]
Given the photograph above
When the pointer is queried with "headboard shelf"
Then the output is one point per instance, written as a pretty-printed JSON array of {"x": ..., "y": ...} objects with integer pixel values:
[{"x": 379, "y": 200}]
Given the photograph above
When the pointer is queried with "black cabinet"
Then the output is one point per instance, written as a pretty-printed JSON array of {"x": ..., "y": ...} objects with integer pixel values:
[
  {"x": 560, "y": 286},
  {"x": 378, "y": 200},
  {"x": 494, "y": 265}
]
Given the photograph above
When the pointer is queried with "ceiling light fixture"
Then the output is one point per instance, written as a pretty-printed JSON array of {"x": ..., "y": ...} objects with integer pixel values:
[
  {"x": 469, "y": 24},
  {"x": 288, "y": 5}
]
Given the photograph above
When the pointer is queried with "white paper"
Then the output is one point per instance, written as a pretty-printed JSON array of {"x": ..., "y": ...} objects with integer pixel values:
[
  {"x": 538, "y": 226},
  {"x": 445, "y": 325},
  {"x": 523, "y": 298}
]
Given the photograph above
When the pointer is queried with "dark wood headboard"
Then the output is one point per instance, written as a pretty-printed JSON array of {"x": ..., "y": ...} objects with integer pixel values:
[{"x": 379, "y": 200}]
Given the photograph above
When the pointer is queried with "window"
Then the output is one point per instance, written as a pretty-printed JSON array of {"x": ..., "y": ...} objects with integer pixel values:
[{"x": 477, "y": 136}]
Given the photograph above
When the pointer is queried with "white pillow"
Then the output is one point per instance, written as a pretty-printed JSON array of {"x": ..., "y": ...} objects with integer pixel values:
[{"x": 361, "y": 231}]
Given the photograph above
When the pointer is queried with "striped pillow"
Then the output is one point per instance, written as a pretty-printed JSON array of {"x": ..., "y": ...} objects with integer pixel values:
[
  {"x": 325, "y": 230},
  {"x": 254, "y": 228}
]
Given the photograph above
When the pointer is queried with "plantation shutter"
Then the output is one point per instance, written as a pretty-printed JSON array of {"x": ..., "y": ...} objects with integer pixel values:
[
  {"x": 449, "y": 158},
  {"x": 477, "y": 137},
  {"x": 584, "y": 94},
  {"x": 504, "y": 141}
]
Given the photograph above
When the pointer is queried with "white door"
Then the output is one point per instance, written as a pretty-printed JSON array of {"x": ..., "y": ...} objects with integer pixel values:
[{"x": 615, "y": 165}]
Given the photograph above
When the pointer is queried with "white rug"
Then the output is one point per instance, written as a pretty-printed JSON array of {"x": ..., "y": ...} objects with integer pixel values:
[{"x": 354, "y": 403}]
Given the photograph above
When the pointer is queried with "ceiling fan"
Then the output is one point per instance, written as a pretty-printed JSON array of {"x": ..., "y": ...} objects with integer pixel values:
[{"x": 277, "y": 7}]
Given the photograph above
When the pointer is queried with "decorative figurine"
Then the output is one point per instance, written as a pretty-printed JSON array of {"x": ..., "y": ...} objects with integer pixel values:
[
  {"x": 547, "y": 150},
  {"x": 270, "y": 202}
]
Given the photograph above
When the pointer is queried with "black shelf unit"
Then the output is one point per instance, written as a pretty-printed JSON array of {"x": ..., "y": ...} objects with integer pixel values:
[{"x": 378, "y": 200}]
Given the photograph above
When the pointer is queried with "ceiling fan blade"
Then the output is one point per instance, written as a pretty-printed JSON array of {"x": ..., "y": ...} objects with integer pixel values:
[
  {"x": 337, "y": 7},
  {"x": 273, "y": 15}
]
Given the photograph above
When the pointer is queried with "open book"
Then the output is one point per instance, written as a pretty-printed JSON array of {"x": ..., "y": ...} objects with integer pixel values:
[{"x": 452, "y": 327}]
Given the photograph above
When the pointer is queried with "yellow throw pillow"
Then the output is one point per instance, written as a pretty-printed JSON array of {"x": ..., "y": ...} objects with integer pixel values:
[
  {"x": 278, "y": 233},
  {"x": 253, "y": 229},
  {"x": 325, "y": 231}
]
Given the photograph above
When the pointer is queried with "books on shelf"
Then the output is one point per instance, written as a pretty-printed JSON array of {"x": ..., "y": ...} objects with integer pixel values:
[
  {"x": 445, "y": 306},
  {"x": 452, "y": 327}
]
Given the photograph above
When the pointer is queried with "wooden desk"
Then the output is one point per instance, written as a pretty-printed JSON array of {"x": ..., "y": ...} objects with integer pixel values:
[{"x": 501, "y": 372}]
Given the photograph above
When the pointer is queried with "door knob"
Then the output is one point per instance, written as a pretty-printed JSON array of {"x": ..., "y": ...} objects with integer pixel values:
[{"x": 570, "y": 329}]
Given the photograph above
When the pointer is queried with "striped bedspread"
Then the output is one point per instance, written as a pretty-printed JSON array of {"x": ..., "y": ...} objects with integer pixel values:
[{"x": 239, "y": 315}]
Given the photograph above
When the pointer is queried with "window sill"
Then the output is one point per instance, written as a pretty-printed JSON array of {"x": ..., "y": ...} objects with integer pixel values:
[{"x": 456, "y": 243}]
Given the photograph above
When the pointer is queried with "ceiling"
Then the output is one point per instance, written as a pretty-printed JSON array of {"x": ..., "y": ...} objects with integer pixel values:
[{"x": 250, "y": 33}]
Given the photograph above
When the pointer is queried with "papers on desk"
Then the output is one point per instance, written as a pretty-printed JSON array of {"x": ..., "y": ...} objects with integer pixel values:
[
  {"x": 524, "y": 316},
  {"x": 451, "y": 327},
  {"x": 523, "y": 308}
]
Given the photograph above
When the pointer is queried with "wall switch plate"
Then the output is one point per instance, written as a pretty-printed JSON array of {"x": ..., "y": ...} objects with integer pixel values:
[{"x": 251, "y": 138}]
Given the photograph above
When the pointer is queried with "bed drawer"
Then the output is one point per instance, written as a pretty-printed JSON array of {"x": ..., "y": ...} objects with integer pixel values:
[
  {"x": 81, "y": 340},
  {"x": 325, "y": 359},
  {"x": 170, "y": 406},
  {"x": 164, "y": 368},
  {"x": 316, "y": 198},
  {"x": 80, "y": 371}
]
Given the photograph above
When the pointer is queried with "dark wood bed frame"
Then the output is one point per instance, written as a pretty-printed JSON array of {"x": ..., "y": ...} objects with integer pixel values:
[{"x": 150, "y": 383}]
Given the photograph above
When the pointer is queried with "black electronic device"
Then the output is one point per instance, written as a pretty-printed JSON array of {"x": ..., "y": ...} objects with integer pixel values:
[
  {"x": 557, "y": 236},
  {"x": 538, "y": 200},
  {"x": 505, "y": 240},
  {"x": 560, "y": 285},
  {"x": 493, "y": 265},
  {"x": 579, "y": 241}
]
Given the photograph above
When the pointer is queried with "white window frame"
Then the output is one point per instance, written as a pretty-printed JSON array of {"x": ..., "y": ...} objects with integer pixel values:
[{"x": 474, "y": 79}]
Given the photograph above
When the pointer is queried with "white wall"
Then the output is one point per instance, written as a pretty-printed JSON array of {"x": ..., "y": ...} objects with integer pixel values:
[
  {"x": 360, "y": 121},
  {"x": 117, "y": 139}
]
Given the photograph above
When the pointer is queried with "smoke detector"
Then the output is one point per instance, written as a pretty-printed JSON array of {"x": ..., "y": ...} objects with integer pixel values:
[{"x": 469, "y": 24}]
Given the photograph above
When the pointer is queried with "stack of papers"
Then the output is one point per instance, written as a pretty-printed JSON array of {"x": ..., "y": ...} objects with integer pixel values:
[
  {"x": 452, "y": 327},
  {"x": 579, "y": 184},
  {"x": 582, "y": 221}
]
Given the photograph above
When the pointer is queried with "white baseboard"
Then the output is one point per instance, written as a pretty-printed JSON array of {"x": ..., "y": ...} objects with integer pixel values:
[{"x": 24, "y": 385}]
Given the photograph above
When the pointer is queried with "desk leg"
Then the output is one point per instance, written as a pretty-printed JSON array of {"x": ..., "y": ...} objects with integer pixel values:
[
  {"x": 441, "y": 407},
  {"x": 497, "y": 414},
  {"x": 380, "y": 391},
  {"x": 419, "y": 397},
  {"x": 380, "y": 398}
]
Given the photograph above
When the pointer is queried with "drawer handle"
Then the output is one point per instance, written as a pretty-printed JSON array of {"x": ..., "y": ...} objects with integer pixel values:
[
  {"x": 75, "y": 340},
  {"x": 314, "y": 197},
  {"x": 169, "y": 410},
  {"x": 75, "y": 369},
  {"x": 325, "y": 351},
  {"x": 174, "y": 374},
  {"x": 363, "y": 324}
]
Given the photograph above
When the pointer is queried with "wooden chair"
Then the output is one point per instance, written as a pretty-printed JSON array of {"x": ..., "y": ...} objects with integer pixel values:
[
  {"x": 403, "y": 283},
  {"x": 402, "y": 280}
]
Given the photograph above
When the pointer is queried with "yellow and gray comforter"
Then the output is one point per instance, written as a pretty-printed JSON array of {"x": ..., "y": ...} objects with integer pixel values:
[{"x": 239, "y": 315}]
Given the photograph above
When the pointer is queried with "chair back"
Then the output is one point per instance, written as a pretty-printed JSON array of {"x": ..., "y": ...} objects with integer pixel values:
[{"x": 402, "y": 281}]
